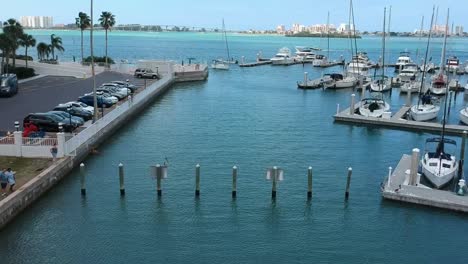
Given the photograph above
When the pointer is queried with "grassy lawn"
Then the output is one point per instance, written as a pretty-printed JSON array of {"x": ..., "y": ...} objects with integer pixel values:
[{"x": 26, "y": 168}]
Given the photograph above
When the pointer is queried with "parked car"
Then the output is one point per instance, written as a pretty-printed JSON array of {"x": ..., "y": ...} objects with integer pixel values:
[
  {"x": 121, "y": 88},
  {"x": 75, "y": 111},
  {"x": 8, "y": 84},
  {"x": 146, "y": 73},
  {"x": 113, "y": 99},
  {"x": 101, "y": 100},
  {"x": 78, "y": 121},
  {"x": 130, "y": 86},
  {"x": 112, "y": 91},
  {"x": 78, "y": 105},
  {"x": 48, "y": 122}
]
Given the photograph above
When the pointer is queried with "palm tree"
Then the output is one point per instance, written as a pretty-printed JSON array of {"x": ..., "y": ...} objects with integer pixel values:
[
  {"x": 42, "y": 50},
  {"x": 55, "y": 43},
  {"x": 27, "y": 41},
  {"x": 5, "y": 47},
  {"x": 83, "y": 22},
  {"x": 107, "y": 21},
  {"x": 13, "y": 30}
]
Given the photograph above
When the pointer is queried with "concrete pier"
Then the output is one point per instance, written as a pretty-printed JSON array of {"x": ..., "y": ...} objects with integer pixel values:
[
  {"x": 396, "y": 121},
  {"x": 398, "y": 187}
]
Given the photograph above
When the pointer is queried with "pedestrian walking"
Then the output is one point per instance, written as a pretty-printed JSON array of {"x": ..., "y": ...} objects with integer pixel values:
[
  {"x": 53, "y": 151},
  {"x": 3, "y": 181},
  {"x": 10, "y": 175}
]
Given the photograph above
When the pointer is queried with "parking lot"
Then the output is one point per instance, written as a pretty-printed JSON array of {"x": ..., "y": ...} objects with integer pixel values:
[{"x": 43, "y": 94}]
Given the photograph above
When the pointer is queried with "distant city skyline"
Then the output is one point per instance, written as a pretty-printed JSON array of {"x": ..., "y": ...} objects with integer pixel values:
[{"x": 245, "y": 15}]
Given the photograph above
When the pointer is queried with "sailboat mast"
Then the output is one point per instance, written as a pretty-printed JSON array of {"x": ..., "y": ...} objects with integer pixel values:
[
  {"x": 442, "y": 59},
  {"x": 421, "y": 88},
  {"x": 225, "y": 39},
  {"x": 383, "y": 46},
  {"x": 447, "y": 95},
  {"x": 328, "y": 35}
]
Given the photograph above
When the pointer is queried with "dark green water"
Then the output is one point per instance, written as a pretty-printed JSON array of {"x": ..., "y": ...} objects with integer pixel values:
[{"x": 253, "y": 118}]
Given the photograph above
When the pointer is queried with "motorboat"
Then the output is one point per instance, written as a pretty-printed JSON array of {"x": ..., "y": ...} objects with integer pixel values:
[
  {"x": 219, "y": 65},
  {"x": 454, "y": 85},
  {"x": 439, "y": 84},
  {"x": 452, "y": 65},
  {"x": 403, "y": 60},
  {"x": 408, "y": 73},
  {"x": 429, "y": 68},
  {"x": 305, "y": 54},
  {"x": 357, "y": 68},
  {"x": 381, "y": 85},
  {"x": 426, "y": 110},
  {"x": 283, "y": 57},
  {"x": 464, "y": 115},
  {"x": 412, "y": 87},
  {"x": 338, "y": 81},
  {"x": 312, "y": 84},
  {"x": 372, "y": 107},
  {"x": 438, "y": 166},
  {"x": 320, "y": 60}
]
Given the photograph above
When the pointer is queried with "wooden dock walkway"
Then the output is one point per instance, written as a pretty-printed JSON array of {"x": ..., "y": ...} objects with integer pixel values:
[
  {"x": 397, "y": 121},
  {"x": 398, "y": 189},
  {"x": 253, "y": 64}
]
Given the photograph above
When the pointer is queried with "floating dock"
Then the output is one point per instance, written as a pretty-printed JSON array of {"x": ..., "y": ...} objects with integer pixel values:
[
  {"x": 396, "y": 121},
  {"x": 253, "y": 64},
  {"x": 398, "y": 187}
]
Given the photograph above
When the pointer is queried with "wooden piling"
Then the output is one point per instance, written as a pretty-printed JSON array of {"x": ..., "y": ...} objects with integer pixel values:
[
  {"x": 348, "y": 182},
  {"x": 274, "y": 178},
  {"x": 305, "y": 78},
  {"x": 413, "y": 180},
  {"x": 234, "y": 182},
  {"x": 461, "y": 161},
  {"x": 450, "y": 102},
  {"x": 82, "y": 179},
  {"x": 408, "y": 97},
  {"x": 309, "y": 183},
  {"x": 197, "y": 180},
  {"x": 351, "y": 108},
  {"x": 121, "y": 179},
  {"x": 363, "y": 90},
  {"x": 158, "y": 179}
]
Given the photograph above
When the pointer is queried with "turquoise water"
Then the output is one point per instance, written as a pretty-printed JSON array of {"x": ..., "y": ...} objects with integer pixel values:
[{"x": 253, "y": 118}]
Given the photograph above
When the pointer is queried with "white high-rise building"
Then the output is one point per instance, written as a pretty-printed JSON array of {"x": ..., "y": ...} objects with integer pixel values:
[
  {"x": 37, "y": 21},
  {"x": 459, "y": 30}
]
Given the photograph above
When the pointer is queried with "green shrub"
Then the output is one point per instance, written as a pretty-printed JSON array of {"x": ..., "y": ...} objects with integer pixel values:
[
  {"x": 22, "y": 72},
  {"x": 20, "y": 57},
  {"x": 98, "y": 59}
]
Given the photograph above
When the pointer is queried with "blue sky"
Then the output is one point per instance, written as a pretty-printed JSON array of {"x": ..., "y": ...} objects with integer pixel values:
[{"x": 245, "y": 14}]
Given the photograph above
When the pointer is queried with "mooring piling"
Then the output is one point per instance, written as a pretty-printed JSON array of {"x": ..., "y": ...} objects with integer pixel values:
[
  {"x": 197, "y": 180},
  {"x": 408, "y": 97},
  {"x": 83, "y": 179},
  {"x": 351, "y": 107},
  {"x": 461, "y": 161},
  {"x": 234, "y": 182},
  {"x": 413, "y": 177},
  {"x": 158, "y": 179},
  {"x": 348, "y": 182},
  {"x": 274, "y": 178},
  {"x": 305, "y": 78},
  {"x": 389, "y": 176},
  {"x": 309, "y": 183},
  {"x": 121, "y": 179}
]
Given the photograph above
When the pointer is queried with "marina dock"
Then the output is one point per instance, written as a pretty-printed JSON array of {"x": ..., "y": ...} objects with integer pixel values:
[
  {"x": 253, "y": 64},
  {"x": 397, "y": 121},
  {"x": 397, "y": 187}
]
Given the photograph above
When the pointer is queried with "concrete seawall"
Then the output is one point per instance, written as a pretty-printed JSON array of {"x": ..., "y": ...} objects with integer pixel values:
[{"x": 32, "y": 190}]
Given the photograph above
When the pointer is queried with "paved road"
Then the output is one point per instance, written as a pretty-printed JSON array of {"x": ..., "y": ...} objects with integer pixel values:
[{"x": 44, "y": 94}]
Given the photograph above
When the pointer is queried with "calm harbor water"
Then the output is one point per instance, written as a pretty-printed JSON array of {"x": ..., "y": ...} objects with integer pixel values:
[{"x": 253, "y": 118}]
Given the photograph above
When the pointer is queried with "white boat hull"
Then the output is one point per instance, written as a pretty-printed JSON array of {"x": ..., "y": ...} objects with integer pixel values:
[
  {"x": 464, "y": 116},
  {"x": 438, "y": 91},
  {"x": 365, "y": 111},
  {"x": 380, "y": 88},
  {"x": 412, "y": 87},
  {"x": 288, "y": 61},
  {"x": 347, "y": 82},
  {"x": 220, "y": 66},
  {"x": 424, "y": 112},
  {"x": 437, "y": 175}
]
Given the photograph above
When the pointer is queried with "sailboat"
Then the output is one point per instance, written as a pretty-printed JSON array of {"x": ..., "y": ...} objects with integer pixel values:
[
  {"x": 425, "y": 109},
  {"x": 439, "y": 81},
  {"x": 384, "y": 84},
  {"x": 221, "y": 64},
  {"x": 439, "y": 166}
]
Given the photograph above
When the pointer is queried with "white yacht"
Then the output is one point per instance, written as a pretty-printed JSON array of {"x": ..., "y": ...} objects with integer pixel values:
[
  {"x": 381, "y": 85},
  {"x": 357, "y": 68},
  {"x": 283, "y": 57},
  {"x": 338, "y": 81},
  {"x": 438, "y": 166},
  {"x": 305, "y": 54},
  {"x": 464, "y": 115},
  {"x": 408, "y": 73},
  {"x": 452, "y": 65},
  {"x": 439, "y": 84},
  {"x": 425, "y": 110},
  {"x": 403, "y": 60},
  {"x": 320, "y": 60},
  {"x": 372, "y": 107},
  {"x": 219, "y": 65},
  {"x": 412, "y": 87}
]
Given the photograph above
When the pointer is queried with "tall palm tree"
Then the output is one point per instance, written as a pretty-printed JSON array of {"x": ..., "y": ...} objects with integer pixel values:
[
  {"x": 83, "y": 22},
  {"x": 14, "y": 31},
  {"x": 5, "y": 47},
  {"x": 42, "y": 50},
  {"x": 27, "y": 41},
  {"x": 55, "y": 43},
  {"x": 107, "y": 21}
]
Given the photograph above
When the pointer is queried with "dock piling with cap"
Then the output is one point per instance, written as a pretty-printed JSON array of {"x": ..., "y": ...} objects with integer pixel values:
[
  {"x": 121, "y": 179},
  {"x": 234, "y": 182},
  {"x": 351, "y": 107},
  {"x": 83, "y": 179},
  {"x": 197, "y": 180},
  {"x": 348, "y": 182},
  {"x": 309, "y": 183}
]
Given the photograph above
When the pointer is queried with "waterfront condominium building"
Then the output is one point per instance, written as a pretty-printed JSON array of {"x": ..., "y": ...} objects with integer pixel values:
[{"x": 37, "y": 21}]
